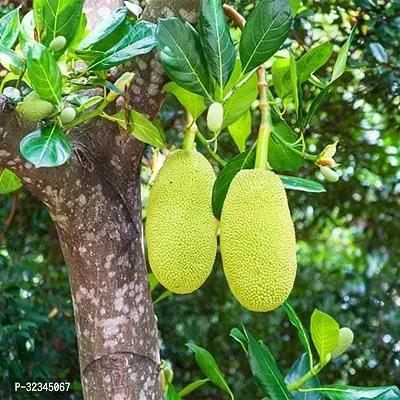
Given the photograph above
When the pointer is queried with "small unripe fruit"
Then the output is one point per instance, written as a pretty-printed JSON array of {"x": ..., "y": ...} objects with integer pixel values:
[
  {"x": 346, "y": 337},
  {"x": 329, "y": 174},
  {"x": 34, "y": 108},
  {"x": 68, "y": 115},
  {"x": 215, "y": 117},
  {"x": 58, "y": 43}
]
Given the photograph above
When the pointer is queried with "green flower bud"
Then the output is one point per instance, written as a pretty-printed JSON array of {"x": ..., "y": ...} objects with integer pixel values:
[
  {"x": 67, "y": 115},
  {"x": 34, "y": 108},
  {"x": 346, "y": 337},
  {"x": 215, "y": 117},
  {"x": 329, "y": 174},
  {"x": 58, "y": 43}
]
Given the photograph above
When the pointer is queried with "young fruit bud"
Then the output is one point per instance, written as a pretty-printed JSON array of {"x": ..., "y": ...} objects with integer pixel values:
[
  {"x": 215, "y": 117},
  {"x": 34, "y": 108},
  {"x": 67, "y": 115},
  {"x": 346, "y": 337},
  {"x": 121, "y": 83},
  {"x": 58, "y": 43},
  {"x": 329, "y": 174}
]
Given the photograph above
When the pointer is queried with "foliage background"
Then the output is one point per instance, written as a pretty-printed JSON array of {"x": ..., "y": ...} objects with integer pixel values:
[{"x": 348, "y": 238}]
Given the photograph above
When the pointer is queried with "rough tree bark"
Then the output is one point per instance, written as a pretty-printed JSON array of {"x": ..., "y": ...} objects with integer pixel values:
[{"x": 94, "y": 201}]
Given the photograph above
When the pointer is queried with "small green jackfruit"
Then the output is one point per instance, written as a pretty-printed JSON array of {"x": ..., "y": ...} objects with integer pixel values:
[
  {"x": 34, "y": 108},
  {"x": 181, "y": 230},
  {"x": 258, "y": 243},
  {"x": 346, "y": 337},
  {"x": 68, "y": 115}
]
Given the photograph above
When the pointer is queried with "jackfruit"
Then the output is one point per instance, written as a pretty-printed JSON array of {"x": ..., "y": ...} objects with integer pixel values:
[
  {"x": 67, "y": 115},
  {"x": 258, "y": 243},
  {"x": 34, "y": 108},
  {"x": 181, "y": 230},
  {"x": 346, "y": 337}
]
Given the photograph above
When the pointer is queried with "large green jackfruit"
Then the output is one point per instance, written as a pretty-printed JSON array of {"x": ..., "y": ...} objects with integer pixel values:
[
  {"x": 181, "y": 230},
  {"x": 258, "y": 243}
]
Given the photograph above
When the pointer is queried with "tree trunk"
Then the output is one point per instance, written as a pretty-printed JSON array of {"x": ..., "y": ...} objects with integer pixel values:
[{"x": 94, "y": 201}]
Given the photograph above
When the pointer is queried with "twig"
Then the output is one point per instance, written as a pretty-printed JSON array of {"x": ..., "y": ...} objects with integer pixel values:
[{"x": 234, "y": 15}]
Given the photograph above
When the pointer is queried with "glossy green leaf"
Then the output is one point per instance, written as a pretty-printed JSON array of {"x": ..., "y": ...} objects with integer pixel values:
[
  {"x": 316, "y": 104},
  {"x": 216, "y": 41},
  {"x": 240, "y": 130},
  {"x": 264, "y": 33},
  {"x": 209, "y": 367},
  {"x": 281, "y": 76},
  {"x": 341, "y": 61},
  {"x": 80, "y": 32},
  {"x": 46, "y": 147},
  {"x": 343, "y": 392},
  {"x": 139, "y": 40},
  {"x": 192, "y": 387},
  {"x": 193, "y": 103},
  {"x": 280, "y": 157},
  {"x": 313, "y": 60},
  {"x": 299, "y": 369},
  {"x": 265, "y": 371},
  {"x": 9, "y": 28},
  {"x": 61, "y": 18},
  {"x": 240, "y": 101},
  {"x": 324, "y": 333},
  {"x": 239, "y": 337},
  {"x": 10, "y": 58},
  {"x": 302, "y": 185},
  {"x": 44, "y": 74},
  {"x": 171, "y": 393},
  {"x": 181, "y": 55},
  {"x": 26, "y": 33},
  {"x": 241, "y": 161},
  {"x": 141, "y": 128},
  {"x": 9, "y": 182},
  {"x": 379, "y": 52}
]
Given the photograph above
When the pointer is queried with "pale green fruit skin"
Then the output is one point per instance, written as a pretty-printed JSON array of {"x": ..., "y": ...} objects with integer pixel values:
[
  {"x": 258, "y": 243},
  {"x": 346, "y": 337},
  {"x": 329, "y": 174},
  {"x": 181, "y": 230},
  {"x": 58, "y": 43},
  {"x": 215, "y": 117},
  {"x": 34, "y": 108},
  {"x": 67, "y": 115}
]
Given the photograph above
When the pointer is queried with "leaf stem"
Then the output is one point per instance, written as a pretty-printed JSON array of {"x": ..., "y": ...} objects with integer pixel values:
[
  {"x": 189, "y": 133},
  {"x": 234, "y": 15},
  {"x": 290, "y": 147},
  {"x": 212, "y": 153},
  {"x": 301, "y": 381}
]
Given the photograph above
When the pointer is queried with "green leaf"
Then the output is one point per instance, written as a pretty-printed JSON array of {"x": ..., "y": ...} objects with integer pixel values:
[
  {"x": 80, "y": 32},
  {"x": 209, "y": 367},
  {"x": 303, "y": 185},
  {"x": 153, "y": 281},
  {"x": 216, "y": 41},
  {"x": 26, "y": 33},
  {"x": 240, "y": 130},
  {"x": 341, "y": 61},
  {"x": 240, "y": 101},
  {"x": 324, "y": 333},
  {"x": 44, "y": 73},
  {"x": 139, "y": 40},
  {"x": 239, "y": 337},
  {"x": 265, "y": 370},
  {"x": 9, "y": 182},
  {"x": 193, "y": 103},
  {"x": 164, "y": 295},
  {"x": 280, "y": 157},
  {"x": 108, "y": 27},
  {"x": 61, "y": 18},
  {"x": 9, "y": 58},
  {"x": 141, "y": 128},
  {"x": 192, "y": 386},
  {"x": 264, "y": 33},
  {"x": 171, "y": 393},
  {"x": 9, "y": 28},
  {"x": 343, "y": 392},
  {"x": 299, "y": 369},
  {"x": 46, "y": 147},
  {"x": 281, "y": 76},
  {"x": 379, "y": 52},
  {"x": 242, "y": 161},
  {"x": 315, "y": 105},
  {"x": 294, "y": 81},
  {"x": 181, "y": 55},
  {"x": 295, "y": 4}
]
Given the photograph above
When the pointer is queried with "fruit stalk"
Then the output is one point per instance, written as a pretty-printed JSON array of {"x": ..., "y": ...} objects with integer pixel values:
[
  {"x": 189, "y": 133},
  {"x": 264, "y": 132}
]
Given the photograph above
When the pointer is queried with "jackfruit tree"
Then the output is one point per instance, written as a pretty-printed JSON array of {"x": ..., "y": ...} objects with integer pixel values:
[{"x": 78, "y": 107}]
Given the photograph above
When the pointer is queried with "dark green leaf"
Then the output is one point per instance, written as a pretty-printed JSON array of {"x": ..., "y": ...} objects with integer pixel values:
[
  {"x": 44, "y": 73},
  {"x": 265, "y": 370},
  {"x": 46, "y": 147},
  {"x": 139, "y": 40},
  {"x": 192, "y": 386},
  {"x": 379, "y": 52},
  {"x": 240, "y": 130},
  {"x": 280, "y": 157},
  {"x": 193, "y": 103},
  {"x": 216, "y": 41},
  {"x": 9, "y": 28},
  {"x": 9, "y": 58},
  {"x": 242, "y": 161},
  {"x": 209, "y": 367},
  {"x": 9, "y": 182},
  {"x": 181, "y": 55},
  {"x": 299, "y": 369},
  {"x": 341, "y": 61},
  {"x": 171, "y": 393},
  {"x": 80, "y": 32},
  {"x": 303, "y": 185},
  {"x": 61, "y": 18},
  {"x": 316, "y": 104},
  {"x": 239, "y": 337},
  {"x": 264, "y": 33}
]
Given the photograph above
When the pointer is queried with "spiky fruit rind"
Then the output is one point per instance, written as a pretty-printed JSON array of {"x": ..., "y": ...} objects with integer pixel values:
[
  {"x": 34, "y": 108},
  {"x": 346, "y": 337},
  {"x": 181, "y": 230},
  {"x": 258, "y": 243}
]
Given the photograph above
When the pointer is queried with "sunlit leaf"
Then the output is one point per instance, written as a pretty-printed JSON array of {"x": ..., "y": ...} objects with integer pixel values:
[
  {"x": 9, "y": 28},
  {"x": 9, "y": 182}
]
